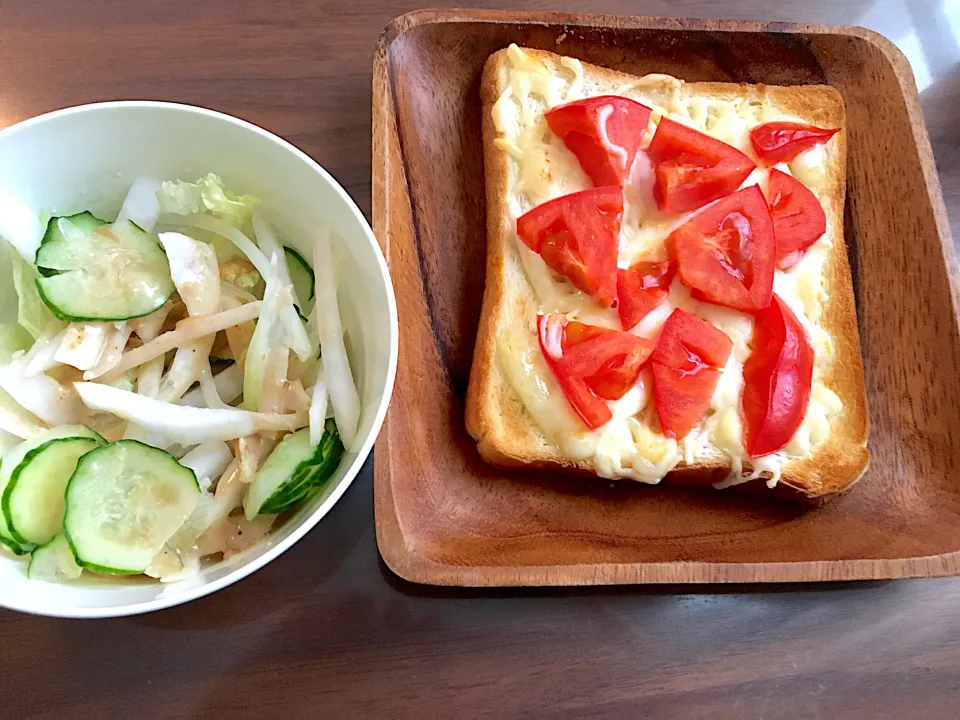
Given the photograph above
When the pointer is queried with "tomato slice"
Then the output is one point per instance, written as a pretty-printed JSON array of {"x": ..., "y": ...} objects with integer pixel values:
[
  {"x": 609, "y": 361},
  {"x": 590, "y": 408},
  {"x": 798, "y": 217},
  {"x": 686, "y": 341},
  {"x": 692, "y": 169},
  {"x": 726, "y": 253},
  {"x": 641, "y": 288},
  {"x": 577, "y": 235},
  {"x": 591, "y": 364},
  {"x": 777, "y": 378},
  {"x": 776, "y": 142},
  {"x": 603, "y": 132},
  {"x": 686, "y": 366}
]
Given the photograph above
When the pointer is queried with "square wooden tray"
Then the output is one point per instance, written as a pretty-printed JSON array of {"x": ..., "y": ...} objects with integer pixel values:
[{"x": 445, "y": 517}]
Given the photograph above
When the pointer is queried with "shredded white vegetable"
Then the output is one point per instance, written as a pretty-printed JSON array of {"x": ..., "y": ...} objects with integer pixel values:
[
  {"x": 179, "y": 423},
  {"x": 141, "y": 204},
  {"x": 293, "y": 398},
  {"x": 148, "y": 378},
  {"x": 296, "y": 333},
  {"x": 41, "y": 395},
  {"x": 195, "y": 272},
  {"x": 268, "y": 243},
  {"x": 297, "y": 337},
  {"x": 188, "y": 363},
  {"x": 17, "y": 421},
  {"x": 340, "y": 385},
  {"x": 42, "y": 355},
  {"x": 249, "y": 451},
  {"x": 274, "y": 377},
  {"x": 112, "y": 352},
  {"x": 265, "y": 336},
  {"x": 220, "y": 227},
  {"x": 187, "y": 331},
  {"x": 318, "y": 408},
  {"x": 208, "y": 461},
  {"x": 233, "y": 292},
  {"x": 148, "y": 327},
  {"x": 228, "y": 383},
  {"x": 83, "y": 344},
  {"x": 208, "y": 389}
]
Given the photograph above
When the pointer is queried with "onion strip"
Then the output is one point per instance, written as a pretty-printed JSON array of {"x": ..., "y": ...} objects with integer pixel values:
[
  {"x": 221, "y": 227},
  {"x": 41, "y": 356},
  {"x": 340, "y": 384},
  {"x": 182, "y": 424},
  {"x": 112, "y": 353},
  {"x": 187, "y": 331},
  {"x": 318, "y": 409},
  {"x": 268, "y": 243},
  {"x": 228, "y": 384}
]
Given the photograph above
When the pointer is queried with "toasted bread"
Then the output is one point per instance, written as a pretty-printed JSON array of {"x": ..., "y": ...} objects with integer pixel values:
[{"x": 498, "y": 419}]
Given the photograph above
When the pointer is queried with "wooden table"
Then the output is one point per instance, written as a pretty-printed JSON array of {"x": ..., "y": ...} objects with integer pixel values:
[{"x": 326, "y": 630}]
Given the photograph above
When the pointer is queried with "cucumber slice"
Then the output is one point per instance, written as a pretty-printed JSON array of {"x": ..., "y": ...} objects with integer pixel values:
[
  {"x": 300, "y": 273},
  {"x": 13, "y": 547},
  {"x": 102, "y": 273},
  {"x": 124, "y": 502},
  {"x": 294, "y": 471},
  {"x": 54, "y": 561},
  {"x": 85, "y": 221},
  {"x": 33, "y": 498},
  {"x": 13, "y": 458}
]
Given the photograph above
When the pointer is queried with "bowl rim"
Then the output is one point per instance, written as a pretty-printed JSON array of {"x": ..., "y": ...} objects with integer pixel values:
[{"x": 308, "y": 523}]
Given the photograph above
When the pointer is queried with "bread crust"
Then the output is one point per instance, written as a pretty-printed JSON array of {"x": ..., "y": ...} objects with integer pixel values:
[{"x": 496, "y": 417}]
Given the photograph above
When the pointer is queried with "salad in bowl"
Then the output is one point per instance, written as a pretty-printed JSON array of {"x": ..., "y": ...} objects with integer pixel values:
[{"x": 176, "y": 382}]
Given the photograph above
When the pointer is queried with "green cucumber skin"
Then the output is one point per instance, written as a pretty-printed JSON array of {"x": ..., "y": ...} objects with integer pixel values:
[
  {"x": 298, "y": 258},
  {"x": 79, "y": 318},
  {"x": 307, "y": 478},
  {"x": 14, "y": 547},
  {"x": 15, "y": 476},
  {"x": 304, "y": 481},
  {"x": 94, "y": 567},
  {"x": 85, "y": 219}
]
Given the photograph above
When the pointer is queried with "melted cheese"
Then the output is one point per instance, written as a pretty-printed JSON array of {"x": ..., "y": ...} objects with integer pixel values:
[
  {"x": 522, "y": 362},
  {"x": 810, "y": 167},
  {"x": 630, "y": 445}
]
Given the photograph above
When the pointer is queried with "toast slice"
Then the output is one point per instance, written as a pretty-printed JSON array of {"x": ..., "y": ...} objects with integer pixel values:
[{"x": 517, "y": 86}]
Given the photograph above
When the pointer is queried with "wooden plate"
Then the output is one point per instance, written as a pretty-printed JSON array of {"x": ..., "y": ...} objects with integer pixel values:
[{"x": 445, "y": 517}]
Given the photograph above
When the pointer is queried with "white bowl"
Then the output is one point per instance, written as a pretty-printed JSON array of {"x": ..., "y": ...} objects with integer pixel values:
[{"x": 85, "y": 158}]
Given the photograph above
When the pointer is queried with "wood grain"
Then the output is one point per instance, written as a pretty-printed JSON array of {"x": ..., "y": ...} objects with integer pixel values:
[
  {"x": 445, "y": 517},
  {"x": 326, "y": 630}
]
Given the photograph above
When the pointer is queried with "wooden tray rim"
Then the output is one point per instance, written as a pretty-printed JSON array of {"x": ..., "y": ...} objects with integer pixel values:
[{"x": 404, "y": 560}]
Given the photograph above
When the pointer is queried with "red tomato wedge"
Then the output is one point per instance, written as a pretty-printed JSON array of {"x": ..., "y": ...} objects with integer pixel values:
[
  {"x": 777, "y": 378},
  {"x": 609, "y": 361},
  {"x": 798, "y": 217},
  {"x": 577, "y": 235},
  {"x": 641, "y": 288},
  {"x": 686, "y": 366},
  {"x": 603, "y": 132},
  {"x": 726, "y": 253},
  {"x": 776, "y": 142},
  {"x": 591, "y": 364},
  {"x": 692, "y": 169}
]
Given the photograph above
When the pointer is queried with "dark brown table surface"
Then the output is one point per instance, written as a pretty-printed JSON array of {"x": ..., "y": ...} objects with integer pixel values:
[{"x": 326, "y": 630}]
